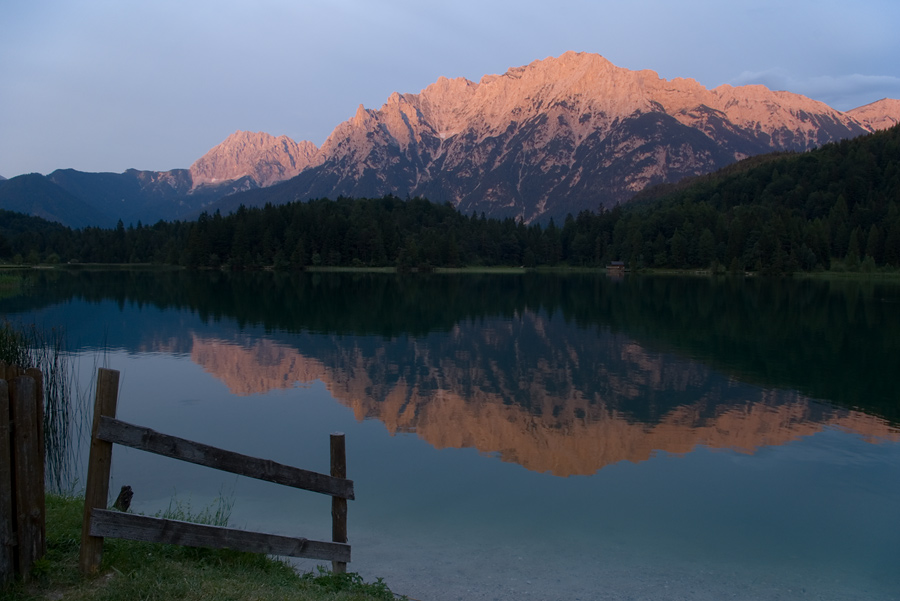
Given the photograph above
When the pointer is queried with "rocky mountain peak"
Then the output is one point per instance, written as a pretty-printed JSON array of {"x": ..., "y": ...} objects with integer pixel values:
[
  {"x": 562, "y": 134},
  {"x": 263, "y": 157},
  {"x": 881, "y": 114}
]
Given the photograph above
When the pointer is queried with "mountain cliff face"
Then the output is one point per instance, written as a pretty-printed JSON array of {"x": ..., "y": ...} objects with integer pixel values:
[
  {"x": 257, "y": 155},
  {"x": 882, "y": 114},
  {"x": 553, "y": 137},
  {"x": 561, "y": 135}
]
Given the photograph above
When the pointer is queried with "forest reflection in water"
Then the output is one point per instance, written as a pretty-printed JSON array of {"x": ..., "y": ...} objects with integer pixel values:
[{"x": 559, "y": 374}]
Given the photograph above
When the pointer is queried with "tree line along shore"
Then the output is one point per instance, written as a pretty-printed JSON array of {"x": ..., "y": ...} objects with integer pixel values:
[{"x": 836, "y": 208}]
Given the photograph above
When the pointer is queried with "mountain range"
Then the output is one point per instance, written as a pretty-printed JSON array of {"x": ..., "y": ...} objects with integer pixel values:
[{"x": 557, "y": 136}]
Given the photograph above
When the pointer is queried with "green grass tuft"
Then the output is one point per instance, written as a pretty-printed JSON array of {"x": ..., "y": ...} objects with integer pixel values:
[{"x": 218, "y": 513}]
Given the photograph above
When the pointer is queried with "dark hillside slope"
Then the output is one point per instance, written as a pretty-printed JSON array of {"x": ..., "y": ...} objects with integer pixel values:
[
  {"x": 793, "y": 211},
  {"x": 34, "y": 194}
]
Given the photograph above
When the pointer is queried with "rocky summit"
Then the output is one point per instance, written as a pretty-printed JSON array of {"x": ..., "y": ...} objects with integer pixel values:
[
  {"x": 557, "y": 136},
  {"x": 882, "y": 114},
  {"x": 564, "y": 134},
  {"x": 257, "y": 155}
]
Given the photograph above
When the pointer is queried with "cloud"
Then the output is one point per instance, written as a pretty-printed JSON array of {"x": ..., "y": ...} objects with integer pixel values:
[{"x": 842, "y": 92}]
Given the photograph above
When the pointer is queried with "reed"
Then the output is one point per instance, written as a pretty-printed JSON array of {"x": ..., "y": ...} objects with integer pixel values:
[{"x": 31, "y": 347}]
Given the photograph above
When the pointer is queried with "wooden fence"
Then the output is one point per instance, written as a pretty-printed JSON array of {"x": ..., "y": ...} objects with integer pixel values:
[
  {"x": 100, "y": 523},
  {"x": 22, "y": 507}
]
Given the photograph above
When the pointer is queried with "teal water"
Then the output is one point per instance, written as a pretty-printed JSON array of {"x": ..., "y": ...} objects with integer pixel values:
[{"x": 524, "y": 437}]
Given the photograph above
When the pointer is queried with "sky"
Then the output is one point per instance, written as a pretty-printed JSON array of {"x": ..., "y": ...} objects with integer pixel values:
[{"x": 108, "y": 85}]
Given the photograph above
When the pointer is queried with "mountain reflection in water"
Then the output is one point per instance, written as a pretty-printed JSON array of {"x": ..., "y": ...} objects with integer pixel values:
[
  {"x": 561, "y": 374},
  {"x": 534, "y": 391}
]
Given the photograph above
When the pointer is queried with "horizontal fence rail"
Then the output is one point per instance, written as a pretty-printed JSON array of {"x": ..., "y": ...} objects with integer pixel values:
[
  {"x": 159, "y": 530},
  {"x": 145, "y": 439}
]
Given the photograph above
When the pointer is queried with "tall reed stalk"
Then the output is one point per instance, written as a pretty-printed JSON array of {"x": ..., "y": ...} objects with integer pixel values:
[{"x": 28, "y": 346}]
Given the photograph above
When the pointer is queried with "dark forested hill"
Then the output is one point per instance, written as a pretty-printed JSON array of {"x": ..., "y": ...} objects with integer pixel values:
[{"x": 785, "y": 212}]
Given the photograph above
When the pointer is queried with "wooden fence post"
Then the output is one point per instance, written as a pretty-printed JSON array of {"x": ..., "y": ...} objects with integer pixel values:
[
  {"x": 7, "y": 540},
  {"x": 28, "y": 465},
  {"x": 96, "y": 491},
  {"x": 338, "y": 504},
  {"x": 39, "y": 399}
]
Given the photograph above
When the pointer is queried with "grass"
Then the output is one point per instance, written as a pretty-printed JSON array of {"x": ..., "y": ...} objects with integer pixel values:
[
  {"x": 115, "y": 267},
  {"x": 337, "y": 269},
  {"x": 882, "y": 274},
  {"x": 481, "y": 269},
  {"x": 472, "y": 269},
  {"x": 155, "y": 572},
  {"x": 216, "y": 514}
]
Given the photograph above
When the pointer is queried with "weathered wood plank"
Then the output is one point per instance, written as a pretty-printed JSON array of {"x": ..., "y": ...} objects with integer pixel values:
[
  {"x": 41, "y": 459},
  {"x": 338, "y": 505},
  {"x": 145, "y": 439},
  {"x": 7, "y": 509},
  {"x": 96, "y": 490},
  {"x": 158, "y": 530},
  {"x": 28, "y": 467},
  {"x": 39, "y": 399}
]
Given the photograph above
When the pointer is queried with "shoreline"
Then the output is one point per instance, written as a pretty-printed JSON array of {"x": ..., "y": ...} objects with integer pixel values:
[{"x": 880, "y": 275}]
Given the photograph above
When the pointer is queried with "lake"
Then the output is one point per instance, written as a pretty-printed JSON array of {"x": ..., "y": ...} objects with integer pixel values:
[{"x": 520, "y": 436}]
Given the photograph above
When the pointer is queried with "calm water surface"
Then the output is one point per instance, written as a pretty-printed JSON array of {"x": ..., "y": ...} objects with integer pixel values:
[{"x": 523, "y": 436}]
